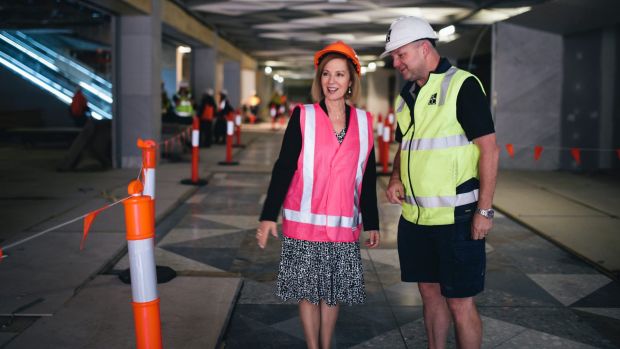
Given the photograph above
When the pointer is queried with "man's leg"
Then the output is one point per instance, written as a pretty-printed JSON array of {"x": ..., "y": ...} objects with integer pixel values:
[
  {"x": 310, "y": 316},
  {"x": 436, "y": 315},
  {"x": 468, "y": 325},
  {"x": 329, "y": 315}
]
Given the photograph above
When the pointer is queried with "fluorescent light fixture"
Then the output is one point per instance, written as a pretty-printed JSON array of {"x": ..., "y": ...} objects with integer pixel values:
[
  {"x": 97, "y": 92},
  {"x": 28, "y": 52},
  {"x": 372, "y": 66},
  {"x": 268, "y": 70},
  {"x": 447, "y": 31},
  {"x": 184, "y": 49},
  {"x": 364, "y": 70}
]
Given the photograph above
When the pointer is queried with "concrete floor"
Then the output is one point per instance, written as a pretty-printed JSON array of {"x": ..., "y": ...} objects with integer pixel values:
[{"x": 52, "y": 294}]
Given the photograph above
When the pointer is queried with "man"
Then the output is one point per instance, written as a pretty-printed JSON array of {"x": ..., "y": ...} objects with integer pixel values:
[{"x": 444, "y": 177}]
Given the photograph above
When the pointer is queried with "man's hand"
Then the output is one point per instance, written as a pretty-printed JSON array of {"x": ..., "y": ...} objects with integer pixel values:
[
  {"x": 480, "y": 227},
  {"x": 395, "y": 191},
  {"x": 264, "y": 229}
]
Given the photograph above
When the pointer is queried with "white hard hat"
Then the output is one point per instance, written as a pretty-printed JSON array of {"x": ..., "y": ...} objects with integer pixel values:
[
  {"x": 183, "y": 83},
  {"x": 405, "y": 30},
  {"x": 224, "y": 91}
]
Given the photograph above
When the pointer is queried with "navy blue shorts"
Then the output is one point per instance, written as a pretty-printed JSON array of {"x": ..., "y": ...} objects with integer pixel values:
[{"x": 443, "y": 254}]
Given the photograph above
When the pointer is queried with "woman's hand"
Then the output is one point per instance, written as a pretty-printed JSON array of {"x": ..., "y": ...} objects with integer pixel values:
[
  {"x": 373, "y": 239},
  {"x": 264, "y": 229}
]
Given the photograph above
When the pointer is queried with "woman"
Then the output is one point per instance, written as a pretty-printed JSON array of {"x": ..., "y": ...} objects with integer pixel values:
[{"x": 324, "y": 179}]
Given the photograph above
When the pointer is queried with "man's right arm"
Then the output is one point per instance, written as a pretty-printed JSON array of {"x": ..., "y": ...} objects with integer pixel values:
[{"x": 395, "y": 191}]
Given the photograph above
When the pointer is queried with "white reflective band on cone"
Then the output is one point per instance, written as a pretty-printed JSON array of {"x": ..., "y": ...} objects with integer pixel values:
[
  {"x": 142, "y": 270},
  {"x": 238, "y": 120},
  {"x": 380, "y": 129},
  {"x": 195, "y": 138},
  {"x": 230, "y": 128},
  {"x": 149, "y": 182},
  {"x": 222, "y": 105},
  {"x": 386, "y": 134},
  {"x": 391, "y": 118}
]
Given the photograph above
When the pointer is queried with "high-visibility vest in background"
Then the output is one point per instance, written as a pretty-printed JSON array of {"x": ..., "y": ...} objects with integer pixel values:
[
  {"x": 439, "y": 165},
  {"x": 184, "y": 107},
  {"x": 322, "y": 203}
]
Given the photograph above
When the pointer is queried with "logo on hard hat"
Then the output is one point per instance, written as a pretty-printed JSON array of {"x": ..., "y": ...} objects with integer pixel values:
[{"x": 387, "y": 37}]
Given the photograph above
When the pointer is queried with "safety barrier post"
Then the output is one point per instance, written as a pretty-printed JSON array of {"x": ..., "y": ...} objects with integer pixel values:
[
  {"x": 273, "y": 113},
  {"x": 194, "y": 180},
  {"x": 149, "y": 162},
  {"x": 391, "y": 122},
  {"x": 140, "y": 227},
  {"x": 385, "y": 142},
  {"x": 230, "y": 127},
  {"x": 238, "y": 120}
]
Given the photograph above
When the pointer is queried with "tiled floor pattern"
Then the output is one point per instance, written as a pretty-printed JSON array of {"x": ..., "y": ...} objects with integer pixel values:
[{"x": 537, "y": 296}]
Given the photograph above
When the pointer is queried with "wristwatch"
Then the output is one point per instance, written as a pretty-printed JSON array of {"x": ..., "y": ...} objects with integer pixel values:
[{"x": 486, "y": 213}]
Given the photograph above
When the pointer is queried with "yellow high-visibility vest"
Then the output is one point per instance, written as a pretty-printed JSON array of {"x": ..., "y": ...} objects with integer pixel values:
[{"x": 435, "y": 156}]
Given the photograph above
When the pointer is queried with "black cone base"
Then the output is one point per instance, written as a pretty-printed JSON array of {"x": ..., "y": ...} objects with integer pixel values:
[
  {"x": 199, "y": 182},
  {"x": 164, "y": 274}
]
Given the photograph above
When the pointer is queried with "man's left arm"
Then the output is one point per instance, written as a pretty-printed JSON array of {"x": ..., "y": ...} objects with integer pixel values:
[{"x": 487, "y": 169}]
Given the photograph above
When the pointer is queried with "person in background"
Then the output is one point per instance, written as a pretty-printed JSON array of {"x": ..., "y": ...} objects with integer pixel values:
[
  {"x": 184, "y": 104},
  {"x": 444, "y": 177},
  {"x": 78, "y": 109},
  {"x": 220, "y": 123},
  {"x": 325, "y": 181},
  {"x": 207, "y": 113}
]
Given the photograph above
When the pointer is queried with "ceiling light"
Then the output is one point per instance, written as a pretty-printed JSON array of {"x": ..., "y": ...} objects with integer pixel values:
[
  {"x": 372, "y": 66},
  {"x": 184, "y": 49},
  {"x": 447, "y": 31},
  {"x": 268, "y": 70},
  {"x": 364, "y": 70}
]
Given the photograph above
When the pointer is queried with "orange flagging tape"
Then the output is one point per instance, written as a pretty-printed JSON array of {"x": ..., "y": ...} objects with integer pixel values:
[
  {"x": 88, "y": 221},
  {"x": 511, "y": 150},
  {"x": 537, "y": 151},
  {"x": 576, "y": 154}
]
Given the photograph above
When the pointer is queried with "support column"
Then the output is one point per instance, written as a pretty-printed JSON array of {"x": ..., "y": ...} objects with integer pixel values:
[
  {"x": 232, "y": 82},
  {"x": 137, "y": 75},
  {"x": 203, "y": 68}
]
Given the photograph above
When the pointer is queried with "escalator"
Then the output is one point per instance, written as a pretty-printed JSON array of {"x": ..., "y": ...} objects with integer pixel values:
[{"x": 55, "y": 72}]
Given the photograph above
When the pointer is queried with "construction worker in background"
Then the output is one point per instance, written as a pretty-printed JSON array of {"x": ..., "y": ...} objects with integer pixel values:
[
  {"x": 254, "y": 105},
  {"x": 183, "y": 104},
  {"x": 220, "y": 123},
  {"x": 444, "y": 178},
  {"x": 207, "y": 113},
  {"x": 79, "y": 108},
  {"x": 95, "y": 137}
]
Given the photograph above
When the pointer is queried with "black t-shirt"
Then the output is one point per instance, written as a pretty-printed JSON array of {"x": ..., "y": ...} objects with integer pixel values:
[
  {"x": 286, "y": 165},
  {"x": 472, "y": 108}
]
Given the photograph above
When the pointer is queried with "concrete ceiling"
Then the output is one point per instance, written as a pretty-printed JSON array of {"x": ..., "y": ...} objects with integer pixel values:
[{"x": 285, "y": 34}]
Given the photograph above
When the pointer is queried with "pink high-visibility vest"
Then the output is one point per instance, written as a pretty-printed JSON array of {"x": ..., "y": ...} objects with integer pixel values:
[{"x": 322, "y": 203}]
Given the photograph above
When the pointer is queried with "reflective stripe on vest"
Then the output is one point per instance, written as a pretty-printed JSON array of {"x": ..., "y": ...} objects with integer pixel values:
[
  {"x": 435, "y": 143},
  {"x": 305, "y": 214},
  {"x": 443, "y": 201}
]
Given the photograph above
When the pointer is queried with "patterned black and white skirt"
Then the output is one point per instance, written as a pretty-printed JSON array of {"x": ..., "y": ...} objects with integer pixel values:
[{"x": 315, "y": 271}]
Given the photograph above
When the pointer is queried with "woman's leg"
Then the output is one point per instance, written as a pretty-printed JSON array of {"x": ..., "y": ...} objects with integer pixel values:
[
  {"x": 310, "y": 316},
  {"x": 329, "y": 315}
]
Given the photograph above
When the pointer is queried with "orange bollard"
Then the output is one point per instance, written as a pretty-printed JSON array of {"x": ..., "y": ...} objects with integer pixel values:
[
  {"x": 273, "y": 113},
  {"x": 195, "y": 155},
  {"x": 386, "y": 150},
  {"x": 238, "y": 120},
  {"x": 140, "y": 226},
  {"x": 392, "y": 123},
  {"x": 149, "y": 161},
  {"x": 230, "y": 129}
]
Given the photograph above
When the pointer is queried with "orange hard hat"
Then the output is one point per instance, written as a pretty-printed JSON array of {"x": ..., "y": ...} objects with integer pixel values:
[{"x": 343, "y": 49}]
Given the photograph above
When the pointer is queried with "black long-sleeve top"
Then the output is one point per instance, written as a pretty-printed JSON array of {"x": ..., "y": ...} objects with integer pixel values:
[{"x": 286, "y": 165}]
